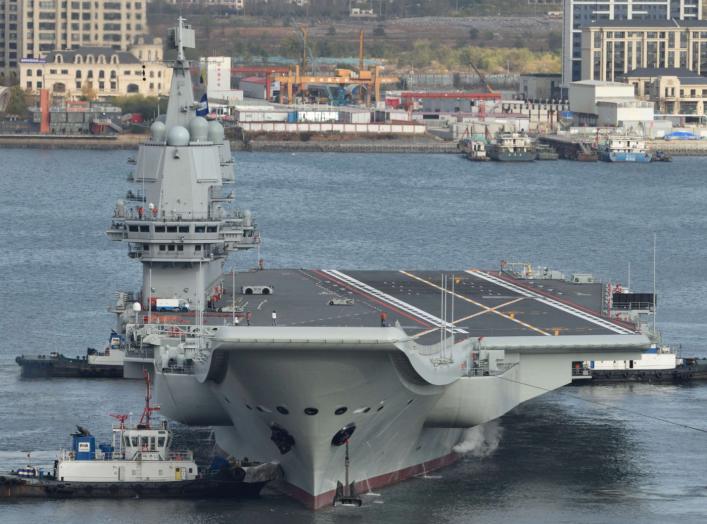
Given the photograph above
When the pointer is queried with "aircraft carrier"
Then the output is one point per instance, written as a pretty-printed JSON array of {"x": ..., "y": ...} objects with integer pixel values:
[{"x": 342, "y": 376}]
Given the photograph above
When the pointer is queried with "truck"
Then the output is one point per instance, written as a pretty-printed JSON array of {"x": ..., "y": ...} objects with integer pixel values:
[{"x": 171, "y": 304}]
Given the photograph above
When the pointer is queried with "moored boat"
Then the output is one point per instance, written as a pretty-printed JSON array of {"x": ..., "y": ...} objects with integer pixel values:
[
  {"x": 94, "y": 364},
  {"x": 624, "y": 149},
  {"x": 659, "y": 364},
  {"x": 512, "y": 147},
  {"x": 546, "y": 152}
]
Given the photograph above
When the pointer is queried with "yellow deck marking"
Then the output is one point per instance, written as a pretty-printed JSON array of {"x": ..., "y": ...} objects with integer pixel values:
[
  {"x": 486, "y": 308},
  {"x": 477, "y": 314}
]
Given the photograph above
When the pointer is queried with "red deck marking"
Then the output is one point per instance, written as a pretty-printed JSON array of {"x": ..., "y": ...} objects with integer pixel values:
[{"x": 325, "y": 276}]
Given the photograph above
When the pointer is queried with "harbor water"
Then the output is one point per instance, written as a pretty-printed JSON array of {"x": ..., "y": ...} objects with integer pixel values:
[{"x": 593, "y": 455}]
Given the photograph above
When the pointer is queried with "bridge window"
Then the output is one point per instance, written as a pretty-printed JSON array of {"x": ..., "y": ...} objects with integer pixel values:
[
  {"x": 212, "y": 229},
  {"x": 133, "y": 228},
  {"x": 159, "y": 229},
  {"x": 184, "y": 229},
  {"x": 170, "y": 248},
  {"x": 144, "y": 229},
  {"x": 171, "y": 229},
  {"x": 199, "y": 229}
]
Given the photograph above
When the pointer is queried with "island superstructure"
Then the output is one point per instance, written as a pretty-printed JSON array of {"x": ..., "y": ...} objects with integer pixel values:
[
  {"x": 178, "y": 223},
  {"x": 299, "y": 365}
]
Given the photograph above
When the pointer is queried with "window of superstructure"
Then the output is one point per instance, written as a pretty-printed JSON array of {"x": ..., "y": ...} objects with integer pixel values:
[
  {"x": 180, "y": 247},
  {"x": 159, "y": 229},
  {"x": 211, "y": 229},
  {"x": 197, "y": 247},
  {"x": 170, "y": 247},
  {"x": 184, "y": 229},
  {"x": 144, "y": 229},
  {"x": 171, "y": 229},
  {"x": 133, "y": 228},
  {"x": 199, "y": 229},
  {"x": 160, "y": 441}
]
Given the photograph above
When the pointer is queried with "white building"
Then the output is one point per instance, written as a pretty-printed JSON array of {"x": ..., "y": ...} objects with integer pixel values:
[
  {"x": 218, "y": 79},
  {"x": 612, "y": 103},
  {"x": 580, "y": 13},
  {"x": 31, "y": 29}
]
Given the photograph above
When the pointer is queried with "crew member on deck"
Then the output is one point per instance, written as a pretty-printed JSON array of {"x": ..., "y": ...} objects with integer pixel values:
[
  {"x": 274, "y": 318},
  {"x": 384, "y": 317}
]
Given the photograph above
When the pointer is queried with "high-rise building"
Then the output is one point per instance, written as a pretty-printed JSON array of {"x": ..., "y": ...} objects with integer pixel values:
[
  {"x": 34, "y": 28},
  {"x": 614, "y": 49},
  {"x": 581, "y": 13}
]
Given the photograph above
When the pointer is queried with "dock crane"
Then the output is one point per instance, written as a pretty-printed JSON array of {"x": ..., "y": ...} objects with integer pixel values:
[
  {"x": 487, "y": 86},
  {"x": 370, "y": 80}
]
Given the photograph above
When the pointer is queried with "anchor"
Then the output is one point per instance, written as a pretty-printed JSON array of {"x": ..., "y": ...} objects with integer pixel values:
[{"x": 345, "y": 493}]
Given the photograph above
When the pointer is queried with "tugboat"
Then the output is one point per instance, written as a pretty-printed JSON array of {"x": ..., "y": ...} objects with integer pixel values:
[
  {"x": 139, "y": 462},
  {"x": 474, "y": 149},
  {"x": 512, "y": 147},
  {"x": 659, "y": 364},
  {"x": 661, "y": 156},
  {"x": 546, "y": 152},
  {"x": 624, "y": 149},
  {"x": 95, "y": 364},
  {"x": 477, "y": 151}
]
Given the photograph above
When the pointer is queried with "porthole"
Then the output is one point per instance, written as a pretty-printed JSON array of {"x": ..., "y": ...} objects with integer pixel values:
[
  {"x": 263, "y": 409},
  {"x": 340, "y": 410},
  {"x": 362, "y": 410},
  {"x": 283, "y": 410},
  {"x": 410, "y": 401},
  {"x": 248, "y": 406},
  {"x": 380, "y": 407},
  {"x": 311, "y": 411}
]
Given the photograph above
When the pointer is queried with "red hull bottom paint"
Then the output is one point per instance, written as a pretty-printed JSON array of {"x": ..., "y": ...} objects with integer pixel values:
[{"x": 326, "y": 499}]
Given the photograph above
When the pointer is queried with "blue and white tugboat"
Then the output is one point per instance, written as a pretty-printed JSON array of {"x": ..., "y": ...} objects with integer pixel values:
[
  {"x": 624, "y": 149},
  {"x": 139, "y": 462}
]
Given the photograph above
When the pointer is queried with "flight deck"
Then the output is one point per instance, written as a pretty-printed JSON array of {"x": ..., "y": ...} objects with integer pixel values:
[{"x": 478, "y": 303}]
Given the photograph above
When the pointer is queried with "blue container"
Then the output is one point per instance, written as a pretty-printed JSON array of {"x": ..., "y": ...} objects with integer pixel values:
[
  {"x": 107, "y": 450},
  {"x": 84, "y": 447},
  {"x": 292, "y": 117}
]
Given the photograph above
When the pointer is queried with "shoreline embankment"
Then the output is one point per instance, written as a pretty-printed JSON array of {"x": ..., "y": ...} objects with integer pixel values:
[{"x": 328, "y": 145}]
